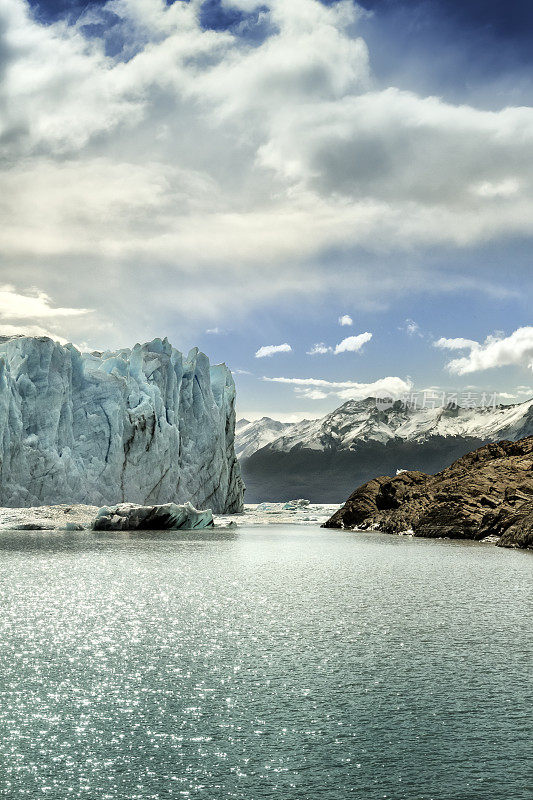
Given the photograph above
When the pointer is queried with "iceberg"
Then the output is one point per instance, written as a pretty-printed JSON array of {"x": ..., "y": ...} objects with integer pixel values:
[
  {"x": 131, "y": 517},
  {"x": 295, "y": 505},
  {"x": 145, "y": 425}
]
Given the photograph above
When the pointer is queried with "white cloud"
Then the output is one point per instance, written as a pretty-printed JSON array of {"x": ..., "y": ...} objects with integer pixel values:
[
  {"x": 33, "y": 314},
  {"x": 353, "y": 344},
  {"x": 319, "y": 349},
  {"x": 504, "y": 188},
  {"x": 271, "y": 349},
  {"x": 496, "y": 351},
  {"x": 345, "y": 320},
  {"x": 455, "y": 344},
  {"x": 29, "y": 330},
  {"x": 412, "y": 328},
  {"x": 37, "y": 305},
  {"x": 345, "y": 390},
  {"x": 311, "y": 394},
  {"x": 524, "y": 391}
]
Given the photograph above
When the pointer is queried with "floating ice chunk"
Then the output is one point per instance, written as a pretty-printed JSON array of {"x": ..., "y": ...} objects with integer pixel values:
[
  {"x": 295, "y": 505},
  {"x": 170, "y": 516}
]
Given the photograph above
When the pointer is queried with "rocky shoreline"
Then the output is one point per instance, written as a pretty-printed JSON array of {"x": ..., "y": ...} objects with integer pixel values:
[{"x": 486, "y": 494}]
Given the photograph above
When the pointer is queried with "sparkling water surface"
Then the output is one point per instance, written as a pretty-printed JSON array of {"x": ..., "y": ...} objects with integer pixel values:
[{"x": 281, "y": 661}]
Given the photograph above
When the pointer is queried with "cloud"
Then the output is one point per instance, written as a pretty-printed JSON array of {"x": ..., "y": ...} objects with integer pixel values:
[
  {"x": 216, "y": 331},
  {"x": 505, "y": 188},
  {"x": 353, "y": 344},
  {"x": 30, "y": 330},
  {"x": 412, "y": 328},
  {"x": 346, "y": 390},
  {"x": 312, "y": 394},
  {"x": 496, "y": 351},
  {"x": 345, "y": 320},
  {"x": 33, "y": 314},
  {"x": 455, "y": 344},
  {"x": 271, "y": 349},
  {"x": 319, "y": 349},
  {"x": 35, "y": 305},
  {"x": 134, "y": 166},
  {"x": 524, "y": 391}
]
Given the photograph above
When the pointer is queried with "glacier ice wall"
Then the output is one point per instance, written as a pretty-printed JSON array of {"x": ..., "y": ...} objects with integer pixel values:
[{"x": 145, "y": 426}]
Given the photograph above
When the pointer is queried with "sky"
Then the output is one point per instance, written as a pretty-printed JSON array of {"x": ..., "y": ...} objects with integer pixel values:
[{"x": 334, "y": 198}]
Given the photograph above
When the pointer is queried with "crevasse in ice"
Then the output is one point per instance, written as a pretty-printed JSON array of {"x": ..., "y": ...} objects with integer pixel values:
[{"x": 145, "y": 425}]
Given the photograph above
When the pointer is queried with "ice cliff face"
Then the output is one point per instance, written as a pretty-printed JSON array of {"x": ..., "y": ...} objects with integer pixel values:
[{"x": 145, "y": 425}]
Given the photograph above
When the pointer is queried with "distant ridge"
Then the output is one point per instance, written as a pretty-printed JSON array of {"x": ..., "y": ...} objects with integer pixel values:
[
  {"x": 252, "y": 436},
  {"x": 323, "y": 459}
]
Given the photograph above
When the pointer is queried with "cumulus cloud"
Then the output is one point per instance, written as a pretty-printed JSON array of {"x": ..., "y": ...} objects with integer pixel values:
[
  {"x": 353, "y": 344},
  {"x": 189, "y": 157},
  {"x": 345, "y": 320},
  {"x": 271, "y": 349},
  {"x": 496, "y": 351},
  {"x": 319, "y": 388}
]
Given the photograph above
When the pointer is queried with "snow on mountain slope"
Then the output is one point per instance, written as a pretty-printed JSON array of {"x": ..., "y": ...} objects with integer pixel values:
[
  {"x": 358, "y": 421},
  {"x": 252, "y": 436},
  {"x": 146, "y": 425},
  {"x": 326, "y": 459}
]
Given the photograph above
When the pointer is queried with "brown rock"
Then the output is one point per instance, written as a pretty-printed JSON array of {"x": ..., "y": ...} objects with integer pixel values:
[{"x": 488, "y": 492}]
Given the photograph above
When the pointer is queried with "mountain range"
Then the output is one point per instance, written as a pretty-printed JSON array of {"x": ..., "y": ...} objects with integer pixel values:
[
  {"x": 324, "y": 459},
  {"x": 252, "y": 436}
]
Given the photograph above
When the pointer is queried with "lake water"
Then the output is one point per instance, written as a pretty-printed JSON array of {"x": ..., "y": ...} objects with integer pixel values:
[{"x": 268, "y": 661}]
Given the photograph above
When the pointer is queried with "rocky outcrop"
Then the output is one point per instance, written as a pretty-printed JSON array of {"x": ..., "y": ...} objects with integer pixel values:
[{"x": 488, "y": 492}]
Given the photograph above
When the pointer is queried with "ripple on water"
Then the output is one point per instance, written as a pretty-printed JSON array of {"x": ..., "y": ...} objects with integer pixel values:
[{"x": 270, "y": 662}]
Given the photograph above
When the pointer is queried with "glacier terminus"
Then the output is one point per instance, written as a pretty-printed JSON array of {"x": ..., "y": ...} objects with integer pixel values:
[{"x": 144, "y": 425}]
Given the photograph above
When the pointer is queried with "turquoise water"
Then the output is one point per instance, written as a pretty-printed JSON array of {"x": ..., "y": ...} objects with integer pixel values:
[{"x": 281, "y": 662}]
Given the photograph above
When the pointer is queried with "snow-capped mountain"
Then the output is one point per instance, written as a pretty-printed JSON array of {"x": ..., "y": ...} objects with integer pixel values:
[
  {"x": 252, "y": 436},
  {"x": 359, "y": 421},
  {"x": 328, "y": 458}
]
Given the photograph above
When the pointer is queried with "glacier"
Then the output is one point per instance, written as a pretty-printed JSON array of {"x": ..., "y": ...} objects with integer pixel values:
[{"x": 145, "y": 425}]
